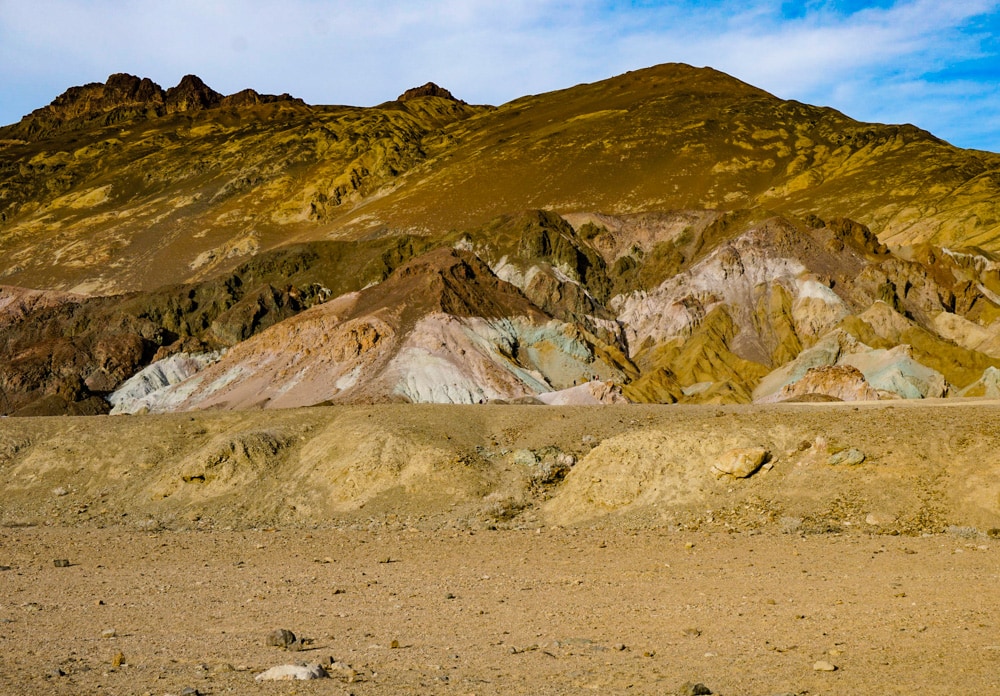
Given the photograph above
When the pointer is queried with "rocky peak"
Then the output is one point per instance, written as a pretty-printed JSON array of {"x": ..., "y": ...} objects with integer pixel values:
[
  {"x": 428, "y": 90},
  {"x": 191, "y": 94},
  {"x": 125, "y": 97}
]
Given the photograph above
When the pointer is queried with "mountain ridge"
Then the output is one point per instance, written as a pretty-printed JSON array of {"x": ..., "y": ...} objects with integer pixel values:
[
  {"x": 667, "y": 235},
  {"x": 125, "y": 97}
]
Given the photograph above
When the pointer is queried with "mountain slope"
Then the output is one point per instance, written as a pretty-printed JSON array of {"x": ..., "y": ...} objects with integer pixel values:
[
  {"x": 669, "y": 235},
  {"x": 129, "y": 198},
  {"x": 126, "y": 198}
]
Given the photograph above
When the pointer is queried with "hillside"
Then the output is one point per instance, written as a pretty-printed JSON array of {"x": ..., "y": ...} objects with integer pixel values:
[{"x": 668, "y": 235}]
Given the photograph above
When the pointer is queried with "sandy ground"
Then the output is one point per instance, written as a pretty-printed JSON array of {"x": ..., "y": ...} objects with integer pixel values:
[
  {"x": 551, "y": 611},
  {"x": 446, "y": 533}
]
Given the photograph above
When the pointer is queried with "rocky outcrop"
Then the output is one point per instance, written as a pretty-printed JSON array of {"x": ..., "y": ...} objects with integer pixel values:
[
  {"x": 840, "y": 382},
  {"x": 442, "y": 328},
  {"x": 427, "y": 90},
  {"x": 145, "y": 391},
  {"x": 986, "y": 387},
  {"x": 125, "y": 97}
]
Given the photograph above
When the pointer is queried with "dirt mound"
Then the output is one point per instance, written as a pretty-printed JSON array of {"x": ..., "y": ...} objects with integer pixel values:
[{"x": 865, "y": 467}]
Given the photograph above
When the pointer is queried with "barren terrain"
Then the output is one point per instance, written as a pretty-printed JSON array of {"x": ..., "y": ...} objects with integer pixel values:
[{"x": 504, "y": 550}]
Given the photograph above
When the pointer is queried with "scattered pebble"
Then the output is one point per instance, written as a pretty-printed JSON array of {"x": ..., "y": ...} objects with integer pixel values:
[
  {"x": 108, "y": 633},
  {"x": 342, "y": 671},
  {"x": 293, "y": 672},
  {"x": 55, "y": 673},
  {"x": 619, "y": 647},
  {"x": 394, "y": 644},
  {"x": 3, "y": 568},
  {"x": 118, "y": 660},
  {"x": 692, "y": 632},
  {"x": 824, "y": 666},
  {"x": 61, "y": 563},
  {"x": 694, "y": 689}
]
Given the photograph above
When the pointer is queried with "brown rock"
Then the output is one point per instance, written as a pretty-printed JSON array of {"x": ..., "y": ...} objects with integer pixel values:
[{"x": 428, "y": 90}]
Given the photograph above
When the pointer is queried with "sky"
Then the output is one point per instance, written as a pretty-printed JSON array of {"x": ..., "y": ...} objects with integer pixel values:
[{"x": 932, "y": 63}]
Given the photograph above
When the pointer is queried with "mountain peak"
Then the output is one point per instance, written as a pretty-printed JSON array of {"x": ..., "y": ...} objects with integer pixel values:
[
  {"x": 125, "y": 97},
  {"x": 191, "y": 93},
  {"x": 428, "y": 90}
]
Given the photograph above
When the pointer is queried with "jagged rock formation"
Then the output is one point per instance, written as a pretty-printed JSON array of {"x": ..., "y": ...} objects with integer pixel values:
[
  {"x": 126, "y": 98},
  {"x": 427, "y": 90},
  {"x": 670, "y": 235}
]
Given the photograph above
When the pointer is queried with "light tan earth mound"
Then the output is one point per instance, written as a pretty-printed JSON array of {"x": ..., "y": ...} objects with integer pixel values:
[{"x": 512, "y": 465}]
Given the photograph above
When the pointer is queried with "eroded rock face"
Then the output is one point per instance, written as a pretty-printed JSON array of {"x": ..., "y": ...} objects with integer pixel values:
[
  {"x": 842, "y": 382},
  {"x": 125, "y": 97}
]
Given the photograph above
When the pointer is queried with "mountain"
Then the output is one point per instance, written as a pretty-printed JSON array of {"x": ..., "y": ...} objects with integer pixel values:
[{"x": 671, "y": 234}]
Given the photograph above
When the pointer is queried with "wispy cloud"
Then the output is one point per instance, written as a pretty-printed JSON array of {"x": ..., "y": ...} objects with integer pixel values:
[{"x": 929, "y": 63}]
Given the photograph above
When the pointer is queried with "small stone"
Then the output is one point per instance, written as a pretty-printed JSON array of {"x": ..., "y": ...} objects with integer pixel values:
[
  {"x": 3, "y": 568},
  {"x": 190, "y": 691},
  {"x": 619, "y": 647},
  {"x": 692, "y": 632},
  {"x": 449, "y": 596},
  {"x": 849, "y": 457},
  {"x": 694, "y": 689},
  {"x": 55, "y": 673},
  {"x": 61, "y": 563},
  {"x": 342, "y": 671},
  {"x": 394, "y": 644},
  {"x": 280, "y": 638},
  {"x": 824, "y": 666},
  {"x": 293, "y": 672},
  {"x": 118, "y": 660},
  {"x": 108, "y": 633}
]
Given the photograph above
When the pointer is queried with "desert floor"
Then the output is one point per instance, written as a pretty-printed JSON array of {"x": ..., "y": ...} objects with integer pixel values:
[
  {"x": 456, "y": 564},
  {"x": 550, "y": 611}
]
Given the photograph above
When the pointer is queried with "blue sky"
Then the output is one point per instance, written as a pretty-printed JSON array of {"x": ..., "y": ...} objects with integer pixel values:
[{"x": 932, "y": 63}]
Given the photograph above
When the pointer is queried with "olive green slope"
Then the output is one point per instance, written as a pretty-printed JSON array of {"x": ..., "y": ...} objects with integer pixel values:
[
  {"x": 119, "y": 186},
  {"x": 675, "y": 137},
  {"x": 138, "y": 198}
]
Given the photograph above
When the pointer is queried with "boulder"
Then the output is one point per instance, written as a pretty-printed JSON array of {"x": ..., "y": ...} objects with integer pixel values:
[{"x": 741, "y": 462}]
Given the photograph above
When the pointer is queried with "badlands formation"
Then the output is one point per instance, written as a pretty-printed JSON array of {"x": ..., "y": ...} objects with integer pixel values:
[
  {"x": 636, "y": 385},
  {"x": 671, "y": 235}
]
